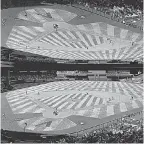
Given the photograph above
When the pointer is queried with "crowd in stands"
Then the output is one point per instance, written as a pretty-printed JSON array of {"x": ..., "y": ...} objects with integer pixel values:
[
  {"x": 127, "y": 12},
  {"x": 27, "y": 59},
  {"x": 33, "y": 59},
  {"x": 128, "y": 130},
  {"x": 136, "y": 79},
  {"x": 25, "y": 79},
  {"x": 13, "y": 56},
  {"x": 31, "y": 78},
  {"x": 120, "y": 75},
  {"x": 121, "y": 132}
]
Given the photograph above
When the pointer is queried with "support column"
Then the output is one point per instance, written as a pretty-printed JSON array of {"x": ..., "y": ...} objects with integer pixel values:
[{"x": 7, "y": 78}]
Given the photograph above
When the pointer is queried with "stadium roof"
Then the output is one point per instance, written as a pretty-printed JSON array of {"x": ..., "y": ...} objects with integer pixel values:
[{"x": 93, "y": 40}]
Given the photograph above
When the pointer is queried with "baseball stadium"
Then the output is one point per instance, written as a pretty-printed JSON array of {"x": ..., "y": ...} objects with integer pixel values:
[{"x": 72, "y": 71}]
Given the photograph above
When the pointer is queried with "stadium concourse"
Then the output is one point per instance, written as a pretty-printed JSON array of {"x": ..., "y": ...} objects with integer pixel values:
[{"x": 65, "y": 107}]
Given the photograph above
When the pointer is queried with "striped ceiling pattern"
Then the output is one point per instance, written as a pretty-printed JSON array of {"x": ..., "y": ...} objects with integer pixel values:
[{"x": 93, "y": 41}]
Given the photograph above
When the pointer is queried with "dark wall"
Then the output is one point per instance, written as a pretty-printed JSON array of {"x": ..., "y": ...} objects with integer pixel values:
[{"x": 55, "y": 66}]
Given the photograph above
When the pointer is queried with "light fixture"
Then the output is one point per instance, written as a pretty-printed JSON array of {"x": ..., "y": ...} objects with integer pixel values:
[
  {"x": 82, "y": 123},
  {"x": 82, "y": 17},
  {"x": 4, "y": 115}
]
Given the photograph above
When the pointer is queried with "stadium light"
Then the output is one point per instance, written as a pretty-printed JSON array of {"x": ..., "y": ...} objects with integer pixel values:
[
  {"x": 4, "y": 115},
  {"x": 82, "y": 123}
]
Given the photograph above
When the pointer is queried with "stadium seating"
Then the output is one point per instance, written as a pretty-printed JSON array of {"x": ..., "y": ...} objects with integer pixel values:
[
  {"x": 136, "y": 79},
  {"x": 26, "y": 80}
]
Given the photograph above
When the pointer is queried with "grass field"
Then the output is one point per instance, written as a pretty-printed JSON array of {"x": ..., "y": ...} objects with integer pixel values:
[{"x": 77, "y": 102}]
